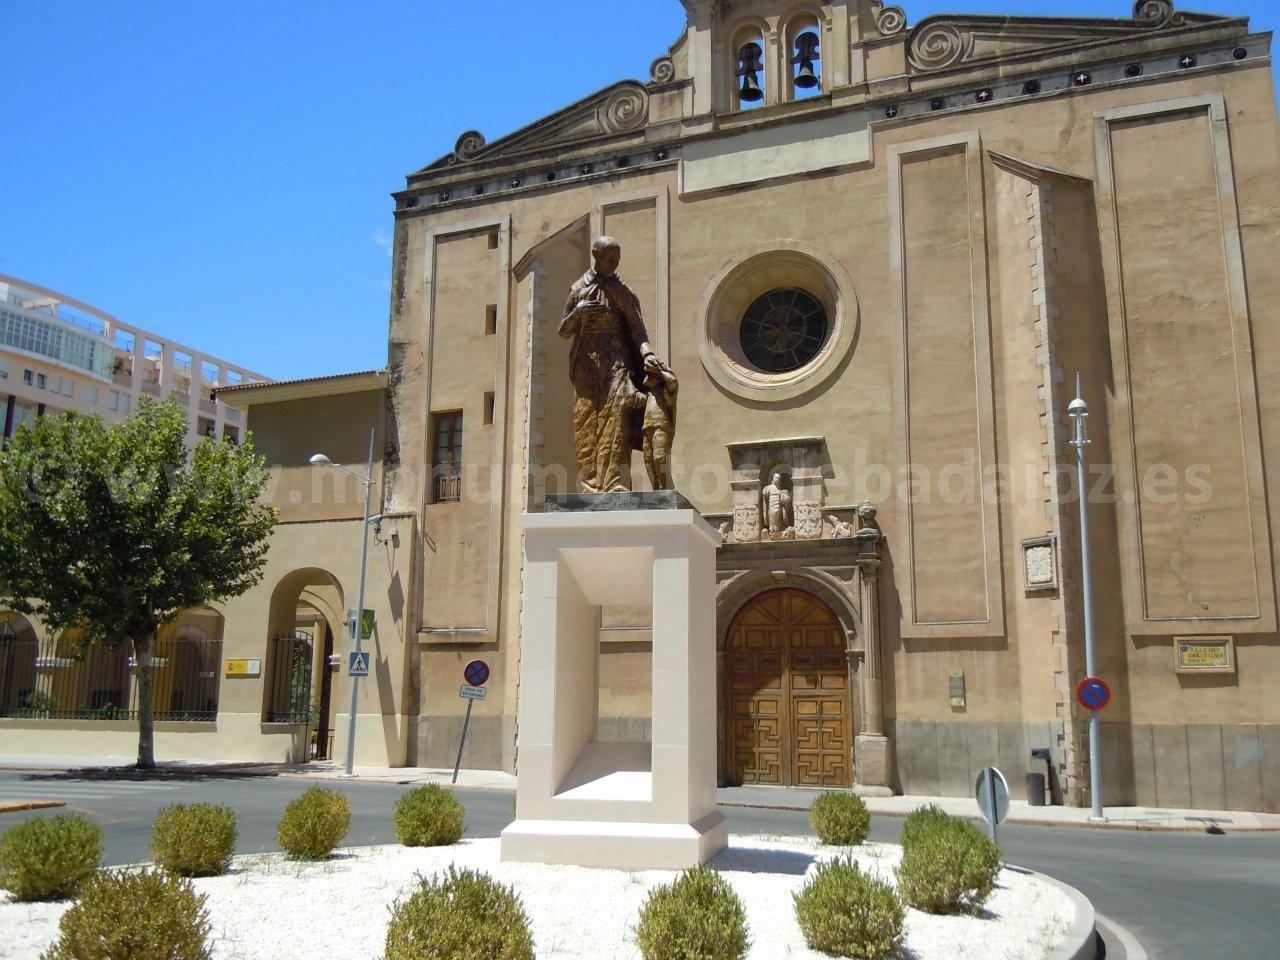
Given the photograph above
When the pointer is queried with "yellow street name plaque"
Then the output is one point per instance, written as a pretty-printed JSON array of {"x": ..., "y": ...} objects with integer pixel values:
[{"x": 1204, "y": 655}]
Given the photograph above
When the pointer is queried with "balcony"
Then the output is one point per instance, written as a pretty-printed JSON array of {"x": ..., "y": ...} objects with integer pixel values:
[
  {"x": 448, "y": 487},
  {"x": 38, "y": 331}
]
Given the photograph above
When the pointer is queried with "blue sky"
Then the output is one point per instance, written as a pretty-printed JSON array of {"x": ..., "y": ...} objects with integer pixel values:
[{"x": 219, "y": 171}]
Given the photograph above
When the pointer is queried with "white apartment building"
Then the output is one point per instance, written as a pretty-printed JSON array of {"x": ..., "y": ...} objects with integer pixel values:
[{"x": 58, "y": 353}]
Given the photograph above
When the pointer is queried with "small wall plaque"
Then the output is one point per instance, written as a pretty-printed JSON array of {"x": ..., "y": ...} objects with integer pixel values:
[
  {"x": 1204, "y": 655},
  {"x": 244, "y": 668},
  {"x": 955, "y": 688},
  {"x": 1040, "y": 565}
]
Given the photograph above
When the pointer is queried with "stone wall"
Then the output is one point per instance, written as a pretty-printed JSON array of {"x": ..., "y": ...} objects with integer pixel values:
[{"x": 1199, "y": 766}]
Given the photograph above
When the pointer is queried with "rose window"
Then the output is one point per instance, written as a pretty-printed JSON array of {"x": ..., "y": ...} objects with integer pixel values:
[{"x": 783, "y": 330}]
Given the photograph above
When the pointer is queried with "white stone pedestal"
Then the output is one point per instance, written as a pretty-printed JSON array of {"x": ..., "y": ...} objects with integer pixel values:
[{"x": 630, "y": 806}]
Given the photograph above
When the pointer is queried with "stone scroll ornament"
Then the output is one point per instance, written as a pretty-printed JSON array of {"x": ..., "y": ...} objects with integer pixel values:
[
  {"x": 662, "y": 70},
  {"x": 891, "y": 20},
  {"x": 1157, "y": 13},
  {"x": 626, "y": 109},
  {"x": 624, "y": 395},
  {"x": 469, "y": 145},
  {"x": 938, "y": 45}
]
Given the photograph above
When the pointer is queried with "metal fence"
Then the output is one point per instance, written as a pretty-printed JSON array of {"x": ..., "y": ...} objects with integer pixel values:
[
  {"x": 291, "y": 660},
  {"x": 56, "y": 680}
]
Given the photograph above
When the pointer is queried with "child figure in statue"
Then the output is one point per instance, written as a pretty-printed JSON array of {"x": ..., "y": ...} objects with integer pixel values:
[{"x": 659, "y": 423}]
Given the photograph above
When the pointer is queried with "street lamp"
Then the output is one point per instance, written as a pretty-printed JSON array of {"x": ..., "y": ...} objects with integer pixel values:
[
  {"x": 1078, "y": 411},
  {"x": 320, "y": 460}
]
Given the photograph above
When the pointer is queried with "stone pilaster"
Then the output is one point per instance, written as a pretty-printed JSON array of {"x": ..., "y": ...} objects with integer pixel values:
[{"x": 872, "y": 753}]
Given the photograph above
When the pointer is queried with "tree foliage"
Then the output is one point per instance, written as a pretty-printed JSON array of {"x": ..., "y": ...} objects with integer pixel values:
[{"x": 116, "y": 530}]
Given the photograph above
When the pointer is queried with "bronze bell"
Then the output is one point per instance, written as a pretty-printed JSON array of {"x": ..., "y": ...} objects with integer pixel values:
[
  {"x": 749, "y": 67},
  {"x": 806, "y": 53}
]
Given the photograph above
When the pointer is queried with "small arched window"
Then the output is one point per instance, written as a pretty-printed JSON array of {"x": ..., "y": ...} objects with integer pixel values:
[
  {"x": 804, "y": 52},
  {"x": 749, "y": 69}
]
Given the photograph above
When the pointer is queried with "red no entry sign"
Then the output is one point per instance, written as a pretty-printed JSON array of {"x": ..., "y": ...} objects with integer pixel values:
[
  {"x": 476, "y": 673},
  {"x": 1093, "y": 693}
]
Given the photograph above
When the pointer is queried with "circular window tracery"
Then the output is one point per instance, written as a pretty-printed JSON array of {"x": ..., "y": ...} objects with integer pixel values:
[
  {"x": 783, "y": 330},
  {"x": 759, "y": 337}
]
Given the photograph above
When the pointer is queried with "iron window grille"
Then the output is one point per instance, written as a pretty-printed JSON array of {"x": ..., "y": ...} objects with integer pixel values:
[
  {"x": 56, "y": 680},
  {"x": 292, "y": 658}
]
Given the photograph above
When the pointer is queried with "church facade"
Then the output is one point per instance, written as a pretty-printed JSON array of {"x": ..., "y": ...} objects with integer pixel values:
[{"x": 877, "y": 255}]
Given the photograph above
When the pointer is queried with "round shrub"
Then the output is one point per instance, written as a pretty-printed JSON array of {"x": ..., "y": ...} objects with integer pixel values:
[
  {"x": 49, "y": 858},
  {"x": 695, "y": 917},
  {"x": 127, "y": 915},
  {"x": 920, "y": 819},
  {"x": 845, "y": 913},
  {"x": 314, "y": 824},
  {"x": 840, "y": 818},
  {"x": 949, "y": 867},
  {"x": 462, "y": 915},
  {"x": 194, "y": 839},
  {"x": 428, "y": 817}
]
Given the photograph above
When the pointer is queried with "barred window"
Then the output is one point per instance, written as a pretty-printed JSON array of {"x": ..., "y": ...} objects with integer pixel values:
[
  {"x": 60, "y": 680},
  {"x": 447, "y": 461},
  {"x": 292, "y": 661}
]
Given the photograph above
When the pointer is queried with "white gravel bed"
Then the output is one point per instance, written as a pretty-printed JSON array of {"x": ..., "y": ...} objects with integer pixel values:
[{"x": 271, "y": 909}]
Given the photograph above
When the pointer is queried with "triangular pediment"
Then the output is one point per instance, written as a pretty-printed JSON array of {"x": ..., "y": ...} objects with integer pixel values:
[
  {"x": 945, "y": 41},
  {"x": 621, "y": 108}
]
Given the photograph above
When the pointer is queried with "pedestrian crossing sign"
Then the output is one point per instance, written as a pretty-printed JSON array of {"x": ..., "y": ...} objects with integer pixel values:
[{"x": 358, "y": 665}]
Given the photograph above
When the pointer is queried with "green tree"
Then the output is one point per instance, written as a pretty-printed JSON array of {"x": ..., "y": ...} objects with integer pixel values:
[{"x": 116, "y": 530}]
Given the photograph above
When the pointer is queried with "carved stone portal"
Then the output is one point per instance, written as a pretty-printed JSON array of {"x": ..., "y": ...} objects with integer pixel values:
[{"x": 777, "y": 489}]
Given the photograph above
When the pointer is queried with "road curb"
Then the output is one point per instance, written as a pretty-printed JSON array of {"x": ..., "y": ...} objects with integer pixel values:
[
  {"x": 21, "y": 805},
  {"x": 1133, "y": 950},
  {"x": 1081, "y": 941},
  {"x": 1214, "y": 827},
  {"x": 399, "y": 781}
]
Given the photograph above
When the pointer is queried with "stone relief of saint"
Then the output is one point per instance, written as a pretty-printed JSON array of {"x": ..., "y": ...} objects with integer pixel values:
[
  {"x": 775, "y": 509},
  {"x": 610, "y": 360}
]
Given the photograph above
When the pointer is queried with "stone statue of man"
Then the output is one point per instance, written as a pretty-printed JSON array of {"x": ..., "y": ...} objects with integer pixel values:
[
  {"x": 776, "y": 503},
  {"x": 608, "y": 362}
]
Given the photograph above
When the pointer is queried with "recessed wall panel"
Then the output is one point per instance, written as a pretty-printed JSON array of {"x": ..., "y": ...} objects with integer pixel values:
[
  {"x": 946, "y": 396},
  {"x": 1189, "y": 474}
]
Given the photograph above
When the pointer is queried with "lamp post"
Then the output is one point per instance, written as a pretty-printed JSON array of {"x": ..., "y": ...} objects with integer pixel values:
[
  {"x": 320, "y": 460},
  {"x": 1078, "y": 411}
]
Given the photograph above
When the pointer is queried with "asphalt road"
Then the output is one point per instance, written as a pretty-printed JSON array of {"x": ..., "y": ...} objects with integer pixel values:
[{"x": 1186, "y": 896}]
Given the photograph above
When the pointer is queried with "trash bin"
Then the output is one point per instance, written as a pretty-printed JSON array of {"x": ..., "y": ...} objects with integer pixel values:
[{"x": 1035, "y": 789}]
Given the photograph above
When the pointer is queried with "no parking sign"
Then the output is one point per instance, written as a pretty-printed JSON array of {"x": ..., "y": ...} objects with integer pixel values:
[
  {"x": 476, "y": 673},
  {"x": 1093, "y": 693}
]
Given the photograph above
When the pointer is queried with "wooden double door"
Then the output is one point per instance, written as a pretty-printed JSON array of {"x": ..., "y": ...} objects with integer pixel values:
[{"x": 790, "y": 716}]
